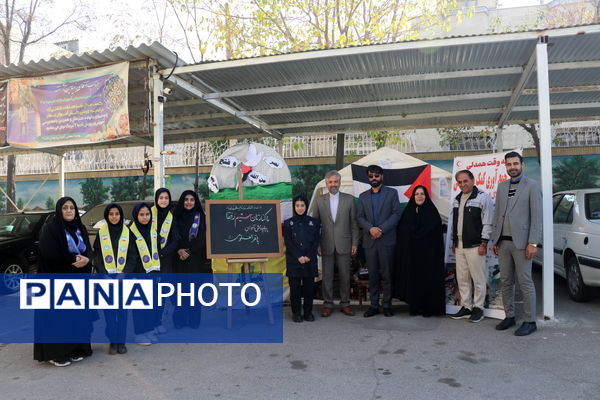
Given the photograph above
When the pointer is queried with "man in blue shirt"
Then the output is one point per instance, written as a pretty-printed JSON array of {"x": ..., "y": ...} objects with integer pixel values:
[{"x": 378, "y": 214}]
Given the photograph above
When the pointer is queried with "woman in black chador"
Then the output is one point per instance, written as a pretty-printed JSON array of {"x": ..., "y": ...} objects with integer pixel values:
[
  {"x": 302, "y": 237},
  {"x": 191, "y": 256},
  {"x": 64, "y": 248},
  {"x": 419, "y": 278},
  {"x": 114, "y": 256}
]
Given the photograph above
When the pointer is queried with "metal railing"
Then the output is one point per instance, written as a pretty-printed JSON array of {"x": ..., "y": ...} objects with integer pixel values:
[
  {"x": 576, "y": 136},
  {"x": 184, "y": 155}
]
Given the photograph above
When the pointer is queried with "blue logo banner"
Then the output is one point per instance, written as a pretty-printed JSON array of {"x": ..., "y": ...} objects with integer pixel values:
[{"x": 128, "y": 308}]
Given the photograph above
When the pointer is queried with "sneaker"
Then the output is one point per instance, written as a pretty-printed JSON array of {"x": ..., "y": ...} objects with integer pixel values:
[
  {"x": 462, "y": 313},
  {"x": 506, "y": 323},
  {"x": 527, "y": 328},
  {"x": 59, "y": 363},
  {"x": 76, "y": 358},
  {"x": 143, "y": 340},
  {"x": 476, "y": 315},
  {"x": 387, "y": 312},
  {"x": 161, "y": 330}
]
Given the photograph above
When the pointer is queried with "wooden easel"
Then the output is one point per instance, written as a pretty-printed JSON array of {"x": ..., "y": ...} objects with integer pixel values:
[{"x": 246, "y": 270}]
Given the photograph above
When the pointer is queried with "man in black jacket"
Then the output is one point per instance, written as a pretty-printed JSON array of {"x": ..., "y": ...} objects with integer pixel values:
[{"x": 472, "y": 216}]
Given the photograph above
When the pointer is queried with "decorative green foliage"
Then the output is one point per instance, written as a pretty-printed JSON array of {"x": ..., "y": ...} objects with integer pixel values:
[
  {"x": 576, "y": 172},
  {"x": 93, "y": 192}
]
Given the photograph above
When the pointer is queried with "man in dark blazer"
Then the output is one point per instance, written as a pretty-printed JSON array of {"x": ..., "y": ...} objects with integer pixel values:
[
  {"x": 517, "y": 231},
  {"x": 339, "y": 240},
  {"x": 378, "y": 215}
]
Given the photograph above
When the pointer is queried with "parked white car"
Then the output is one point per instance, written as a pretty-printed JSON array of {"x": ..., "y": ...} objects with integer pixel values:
[{"x": 577, "y": 240}]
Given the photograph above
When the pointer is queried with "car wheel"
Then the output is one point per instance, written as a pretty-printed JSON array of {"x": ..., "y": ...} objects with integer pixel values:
[
  {"x": 578, "y": 291},
  {"x": 11, "y": 273}
]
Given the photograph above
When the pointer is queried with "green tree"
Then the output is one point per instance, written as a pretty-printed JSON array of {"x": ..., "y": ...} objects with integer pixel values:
[
  {"x": 20, "y": 204},
  {"x": 93, "y": 192},
  {"x": 50, "y": 203},
  {"x": 306, "y": 177},
  {"x": 576, "y": 172},
  {"x": 128, "y": 188},
  {"x": 259, "y": 27}
]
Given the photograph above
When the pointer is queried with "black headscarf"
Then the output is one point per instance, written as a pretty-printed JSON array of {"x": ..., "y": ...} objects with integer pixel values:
[
  {"x": 143, "y": 228},
  {"x": 185, "y": 218},
  {"x": 162, "y": 212},
  {"x": 69, "y": 226},
  {"x": 114, "y": 229},
  {"x": 422, "y": 222},
  {"x": 303, "y": 198}
]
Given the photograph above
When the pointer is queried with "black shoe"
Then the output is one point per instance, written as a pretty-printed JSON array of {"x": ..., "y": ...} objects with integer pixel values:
[
  {"x": 371, "y": 312},
  {"x": 387, "y": 312},
  {"x": 462, "y": 313},
  {"x": 527, "y": 328},
  {"x": 476, "y": 315},
  {"x": 121, "y": 349},
  {"x": 297, "y": 318},
  {"x": 505, "y": 324},
  {"x": 309, "y": 317}
]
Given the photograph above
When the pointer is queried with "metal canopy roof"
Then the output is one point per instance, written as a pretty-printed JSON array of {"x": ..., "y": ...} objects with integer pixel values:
[{"x": 473, "y": 80}]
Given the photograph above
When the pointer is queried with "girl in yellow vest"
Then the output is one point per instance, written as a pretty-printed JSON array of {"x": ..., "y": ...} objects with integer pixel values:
[
  {"x": 168, "y": 239},
  {"x": 143, "y": 240},
  {"x": 114, "y": 256}
]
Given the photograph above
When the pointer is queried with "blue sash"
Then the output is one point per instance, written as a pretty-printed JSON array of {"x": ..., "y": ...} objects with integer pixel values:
[{"x": 75, "y": 248}]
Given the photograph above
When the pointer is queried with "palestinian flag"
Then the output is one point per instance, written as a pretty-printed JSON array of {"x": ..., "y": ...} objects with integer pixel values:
[{"x": 404, "y": 180}]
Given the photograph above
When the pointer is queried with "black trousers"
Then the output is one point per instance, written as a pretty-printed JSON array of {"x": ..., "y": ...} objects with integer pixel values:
[
  {"x": 116, "y": 325},
  {"x": 380, "y": 259},
  {"x": 302, "y": 287}
]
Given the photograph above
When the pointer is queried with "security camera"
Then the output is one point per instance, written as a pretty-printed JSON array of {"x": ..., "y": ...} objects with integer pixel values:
[{"x": 167, "y": 91}]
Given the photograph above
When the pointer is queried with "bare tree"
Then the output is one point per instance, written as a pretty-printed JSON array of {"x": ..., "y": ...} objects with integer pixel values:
[{"x": 19, "y": 28}]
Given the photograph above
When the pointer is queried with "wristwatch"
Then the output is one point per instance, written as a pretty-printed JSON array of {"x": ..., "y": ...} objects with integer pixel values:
[{"x": 532, "y": 244}]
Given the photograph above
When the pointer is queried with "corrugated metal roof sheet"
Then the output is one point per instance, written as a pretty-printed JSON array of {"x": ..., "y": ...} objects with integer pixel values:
[{"x": 428, "y": 83}]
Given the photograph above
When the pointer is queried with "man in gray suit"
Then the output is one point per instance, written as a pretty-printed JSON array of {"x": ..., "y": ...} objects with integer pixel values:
[
  {"x": 516, "y": 234},
  {"x": 339, "y": 240},
  {"x": 378, "y": 215}
]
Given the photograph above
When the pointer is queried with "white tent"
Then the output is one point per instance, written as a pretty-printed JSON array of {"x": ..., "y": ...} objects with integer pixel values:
[{"x": 392, "y": 159}]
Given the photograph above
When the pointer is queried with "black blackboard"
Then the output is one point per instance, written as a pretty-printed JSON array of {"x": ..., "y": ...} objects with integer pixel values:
[{"x": 243, "y": 228}]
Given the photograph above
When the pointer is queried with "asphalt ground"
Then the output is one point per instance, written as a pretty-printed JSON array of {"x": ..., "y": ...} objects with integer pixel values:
[{"x": 340, "y": 357}]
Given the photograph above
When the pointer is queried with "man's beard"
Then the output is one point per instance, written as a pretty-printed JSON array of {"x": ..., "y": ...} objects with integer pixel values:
[
  {"x": 514, "y": 173},
  {"x": 334, "y": 191},
  {"x": 375, "y": 183}
]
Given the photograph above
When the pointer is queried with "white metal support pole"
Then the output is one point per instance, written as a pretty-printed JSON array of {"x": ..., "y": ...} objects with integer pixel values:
[
  {"x": 546, "y": 173},
  {"x": 157, "y": 131},
  {"x": 61, "y": 175}
]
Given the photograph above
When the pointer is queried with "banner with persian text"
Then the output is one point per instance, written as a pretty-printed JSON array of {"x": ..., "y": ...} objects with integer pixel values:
[
  {"x": 488, "y": 170},
  {"x": 70, "y": 108}
]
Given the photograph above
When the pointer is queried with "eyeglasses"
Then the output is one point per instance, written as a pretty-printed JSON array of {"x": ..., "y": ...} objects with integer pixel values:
[{"x": 373, "y": 175}]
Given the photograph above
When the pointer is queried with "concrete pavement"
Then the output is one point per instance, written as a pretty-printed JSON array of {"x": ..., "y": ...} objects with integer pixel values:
[{"x": 340, "y": 358}]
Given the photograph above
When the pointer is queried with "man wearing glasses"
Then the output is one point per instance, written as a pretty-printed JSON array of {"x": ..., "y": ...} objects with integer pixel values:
[{"x": 378, "y": 215}]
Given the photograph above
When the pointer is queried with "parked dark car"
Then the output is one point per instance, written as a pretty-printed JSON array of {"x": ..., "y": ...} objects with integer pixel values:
[{"x": 19, "y": 238}]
